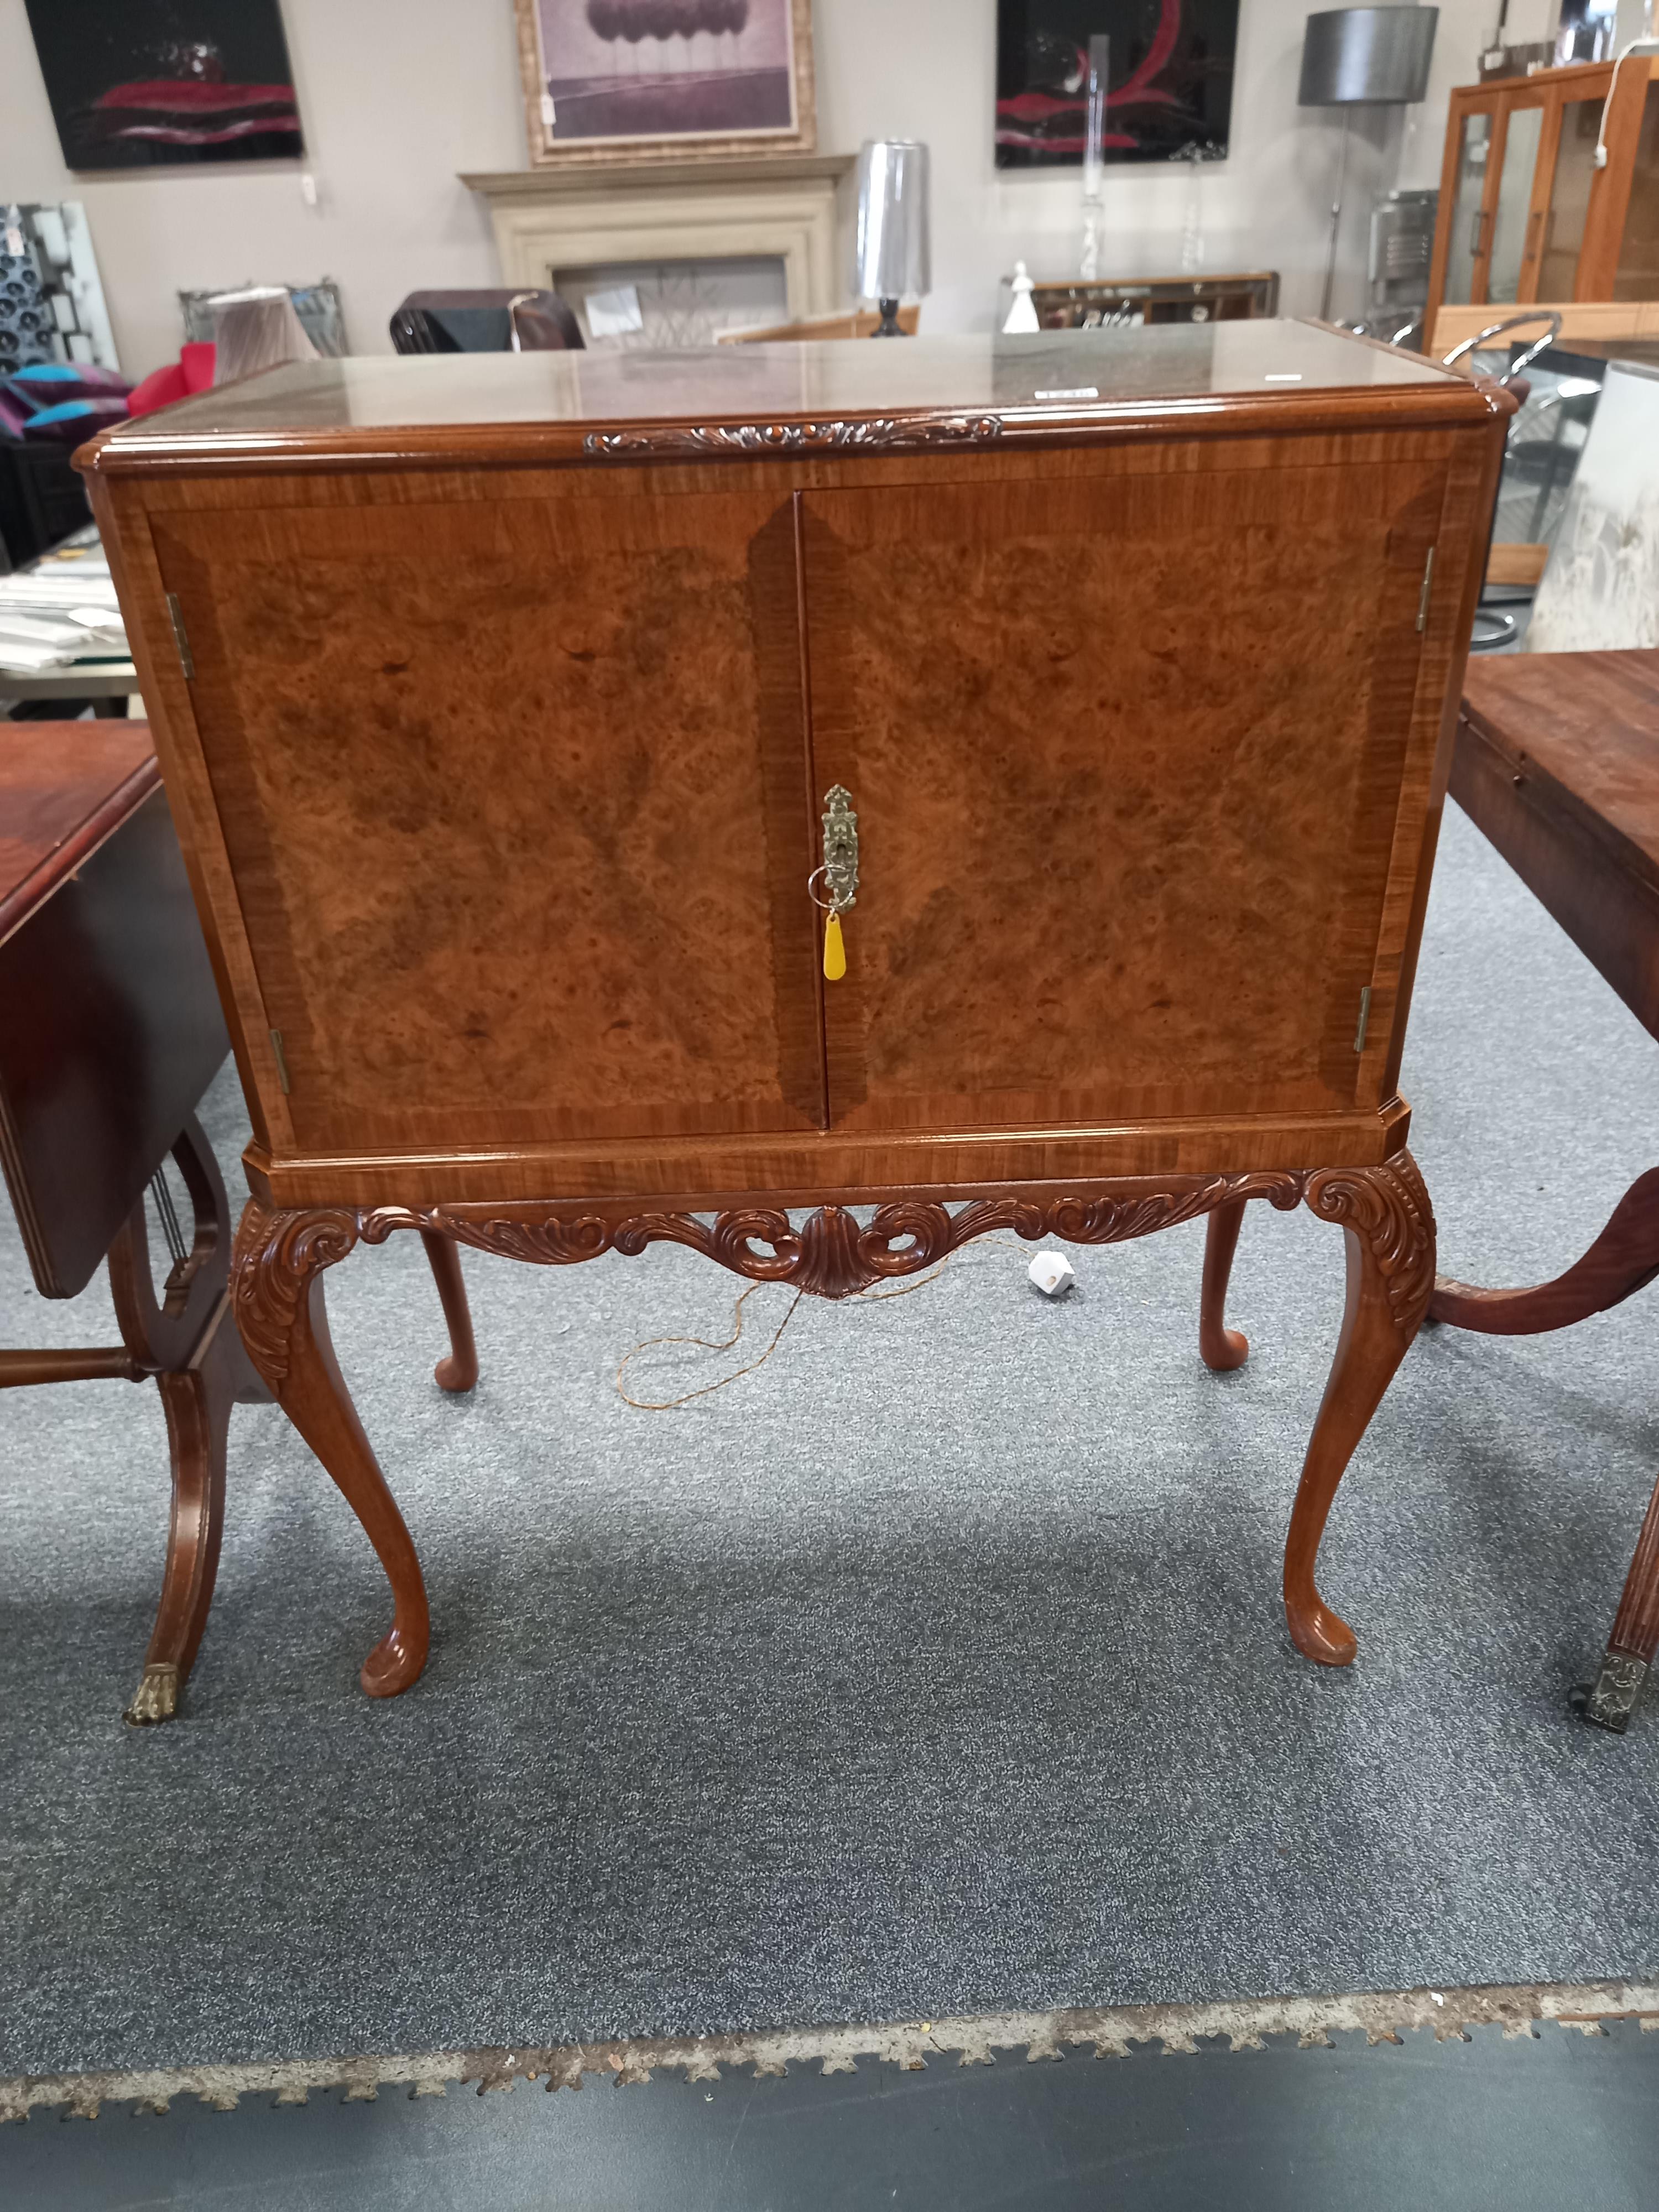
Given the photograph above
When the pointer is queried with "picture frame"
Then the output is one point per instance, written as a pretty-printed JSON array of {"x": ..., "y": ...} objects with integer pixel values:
[
  {"x": 1169, "y": 86},
  {"x": 630, "y": 83},
  {"x": 139, "y": 84}
]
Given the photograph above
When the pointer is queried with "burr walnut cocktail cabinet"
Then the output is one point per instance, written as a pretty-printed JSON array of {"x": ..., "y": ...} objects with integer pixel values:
[{"x": 545, "y": 732}]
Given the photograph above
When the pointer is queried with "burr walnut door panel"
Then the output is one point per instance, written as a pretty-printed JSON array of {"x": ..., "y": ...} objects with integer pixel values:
[
  {"x": 1125, "y": 755},
  {"x": 515, "y": 795}
]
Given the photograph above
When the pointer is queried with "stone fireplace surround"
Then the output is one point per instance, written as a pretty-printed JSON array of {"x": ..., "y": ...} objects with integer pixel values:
[{"x": 781, "y": 205}]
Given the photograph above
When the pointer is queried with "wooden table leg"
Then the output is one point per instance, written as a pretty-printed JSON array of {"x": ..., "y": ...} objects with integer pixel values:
[
  {"x": 196, "y": 1400},
  {"x": 1611, "y": 1699},
  {"x": 461, "y": 1370},
  {"x": 1390, "y": 1225},
  {"x": 1219, "y": 1346},
  {"x": 186, "y": 1338},
  {"x": 197, "y": 1392},
  {"x": 277, "y": 1288},
  {"x": 1623, "y": 1257}
]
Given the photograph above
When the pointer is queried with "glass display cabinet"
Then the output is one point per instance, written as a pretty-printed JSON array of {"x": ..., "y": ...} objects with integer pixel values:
[{"x": 1525, "y": 213}]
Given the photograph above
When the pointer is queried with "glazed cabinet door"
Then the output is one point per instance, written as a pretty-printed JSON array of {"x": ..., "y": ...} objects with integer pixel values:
[
  {"x": 1569, "y": 185},
  {"x": 1126, "y": 757},
  {"x": 1463, "y": 239},
  {"x": 514, "y": 789},
  {"x": 1520, "y": 202}
]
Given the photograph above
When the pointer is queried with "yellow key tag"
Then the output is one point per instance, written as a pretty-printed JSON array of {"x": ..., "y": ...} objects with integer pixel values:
[{"x": 835, "y": 952}]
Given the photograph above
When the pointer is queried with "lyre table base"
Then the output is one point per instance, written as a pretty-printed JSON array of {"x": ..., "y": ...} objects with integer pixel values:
[
  {"x": 184, "y": 1338},
  {"x": 281, "y": 1257},
  {"x": 183, "y": 1335}
]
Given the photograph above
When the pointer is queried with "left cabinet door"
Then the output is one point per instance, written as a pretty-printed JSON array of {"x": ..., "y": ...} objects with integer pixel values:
[{"x": 514, "y": 790}]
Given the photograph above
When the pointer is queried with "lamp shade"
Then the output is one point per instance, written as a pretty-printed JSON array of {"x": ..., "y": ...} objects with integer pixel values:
[
  {"x": 1351, "y": 55},
  {"x": 889, "y": 247}
]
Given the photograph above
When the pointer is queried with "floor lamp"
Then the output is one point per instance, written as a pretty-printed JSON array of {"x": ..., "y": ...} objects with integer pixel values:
[{"x": 1371, "y": 56}]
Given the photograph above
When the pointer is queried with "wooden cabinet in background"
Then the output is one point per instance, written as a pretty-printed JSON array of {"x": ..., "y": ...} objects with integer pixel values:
[
  {"x": 1080, "y": 302},
  {"x": 1525, "y": 214},
  {"x": 520, "y": 712}
]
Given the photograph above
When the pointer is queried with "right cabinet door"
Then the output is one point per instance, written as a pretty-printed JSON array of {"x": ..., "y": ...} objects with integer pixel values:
[{"x": 1126, "y": 757}]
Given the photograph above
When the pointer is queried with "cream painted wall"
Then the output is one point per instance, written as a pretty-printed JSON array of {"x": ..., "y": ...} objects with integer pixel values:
[
  {"x": 925, "y": 69},
  {"x": 398, "y": 95},
  {"x": 395, "y": 96}
]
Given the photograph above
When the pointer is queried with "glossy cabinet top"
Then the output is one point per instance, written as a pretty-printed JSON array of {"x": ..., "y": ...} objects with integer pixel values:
[{"x": 963, "y": 390}]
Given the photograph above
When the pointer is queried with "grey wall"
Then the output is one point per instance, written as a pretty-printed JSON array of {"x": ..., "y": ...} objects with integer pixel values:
[{"x": 398, "y": 95}]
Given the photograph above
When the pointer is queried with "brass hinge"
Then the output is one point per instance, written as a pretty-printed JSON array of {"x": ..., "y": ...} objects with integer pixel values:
[
  {"x": 1423, "y": 596},
  {"x": 282, "y": 1061},
  {"x": 1359, "y": 1035},
  {"x": 175, "y": 615}
]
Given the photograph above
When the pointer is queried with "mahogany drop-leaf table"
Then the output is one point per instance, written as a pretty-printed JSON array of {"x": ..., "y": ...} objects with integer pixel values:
[{"x": 1557, "y": 763}]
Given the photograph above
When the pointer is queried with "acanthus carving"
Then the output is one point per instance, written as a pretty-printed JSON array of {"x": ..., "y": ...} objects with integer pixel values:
[
  {"x": 879, "y": 433},
  {"x": 274, "y": 1258},
  {"x": 1388, "y": 1207},
  {"x": 1117, "y": 1220},
  {"x": 830, "y": 1253}
]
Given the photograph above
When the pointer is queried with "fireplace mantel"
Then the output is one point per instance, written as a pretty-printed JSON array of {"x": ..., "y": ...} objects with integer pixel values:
[
  {"x": 781, "y": 205},
  {"x": 520, "y": 187}
]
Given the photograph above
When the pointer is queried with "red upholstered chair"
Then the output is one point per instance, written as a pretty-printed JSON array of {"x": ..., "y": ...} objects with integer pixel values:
[{"x": 180, "y": 379}]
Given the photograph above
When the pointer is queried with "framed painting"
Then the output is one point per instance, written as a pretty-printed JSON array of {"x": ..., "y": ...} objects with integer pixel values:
[
  {"x": 1169, "y": 89},
  {"x": 628, "y": 80},
  {"x": 138, "y": 83}
]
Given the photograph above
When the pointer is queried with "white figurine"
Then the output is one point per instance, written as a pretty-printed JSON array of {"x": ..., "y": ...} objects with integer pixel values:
[{"x": 1022, "y": 314}]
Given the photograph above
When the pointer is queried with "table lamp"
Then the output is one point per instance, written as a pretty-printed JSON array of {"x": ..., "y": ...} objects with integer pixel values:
[
  {"x": 1354, "y": 56},
  {"x": 889, "y": 247}
]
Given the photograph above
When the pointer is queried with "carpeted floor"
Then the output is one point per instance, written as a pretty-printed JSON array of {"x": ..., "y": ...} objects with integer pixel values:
[{"x": 938, "y": 1667}]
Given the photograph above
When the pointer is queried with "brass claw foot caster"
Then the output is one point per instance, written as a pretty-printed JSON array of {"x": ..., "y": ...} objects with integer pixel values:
[
  {"x": 156, "y": 1698},
  {"x": 1609, "y": 1701}
]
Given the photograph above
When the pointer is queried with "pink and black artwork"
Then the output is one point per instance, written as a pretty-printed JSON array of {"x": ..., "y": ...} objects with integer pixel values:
[
  {"x": 135, "y": 83},
  {"x": 1170, "y": 86},
  {"x": 667, "y": 74}
]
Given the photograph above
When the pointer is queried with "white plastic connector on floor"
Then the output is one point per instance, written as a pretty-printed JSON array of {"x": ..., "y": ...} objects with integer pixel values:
[{"x": 1052, "y": 1273}]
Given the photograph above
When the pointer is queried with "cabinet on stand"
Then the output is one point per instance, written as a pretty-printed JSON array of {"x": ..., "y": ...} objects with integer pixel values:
[{"x": 530, "y": 720}]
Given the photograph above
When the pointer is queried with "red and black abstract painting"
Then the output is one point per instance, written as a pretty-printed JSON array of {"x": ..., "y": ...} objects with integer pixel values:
[
  {"x": 137, "y": 83},
  {"x": 1169, "y": 84}
]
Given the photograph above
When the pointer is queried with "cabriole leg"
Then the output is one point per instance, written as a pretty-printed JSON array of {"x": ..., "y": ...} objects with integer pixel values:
[
  {"x": 1389, "y": 1227},
  {"x": 276, "y": 1290},
  {"x": 1219, "y": 1346},
  {"x": 461, "y": 1370}
]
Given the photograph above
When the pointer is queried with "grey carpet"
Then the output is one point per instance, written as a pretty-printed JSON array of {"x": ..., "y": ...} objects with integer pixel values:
[{"x": 938, "y": 1667}]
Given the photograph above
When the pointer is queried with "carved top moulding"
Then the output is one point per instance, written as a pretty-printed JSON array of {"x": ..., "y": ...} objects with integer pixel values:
[{"x": 748, "y": 402}]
